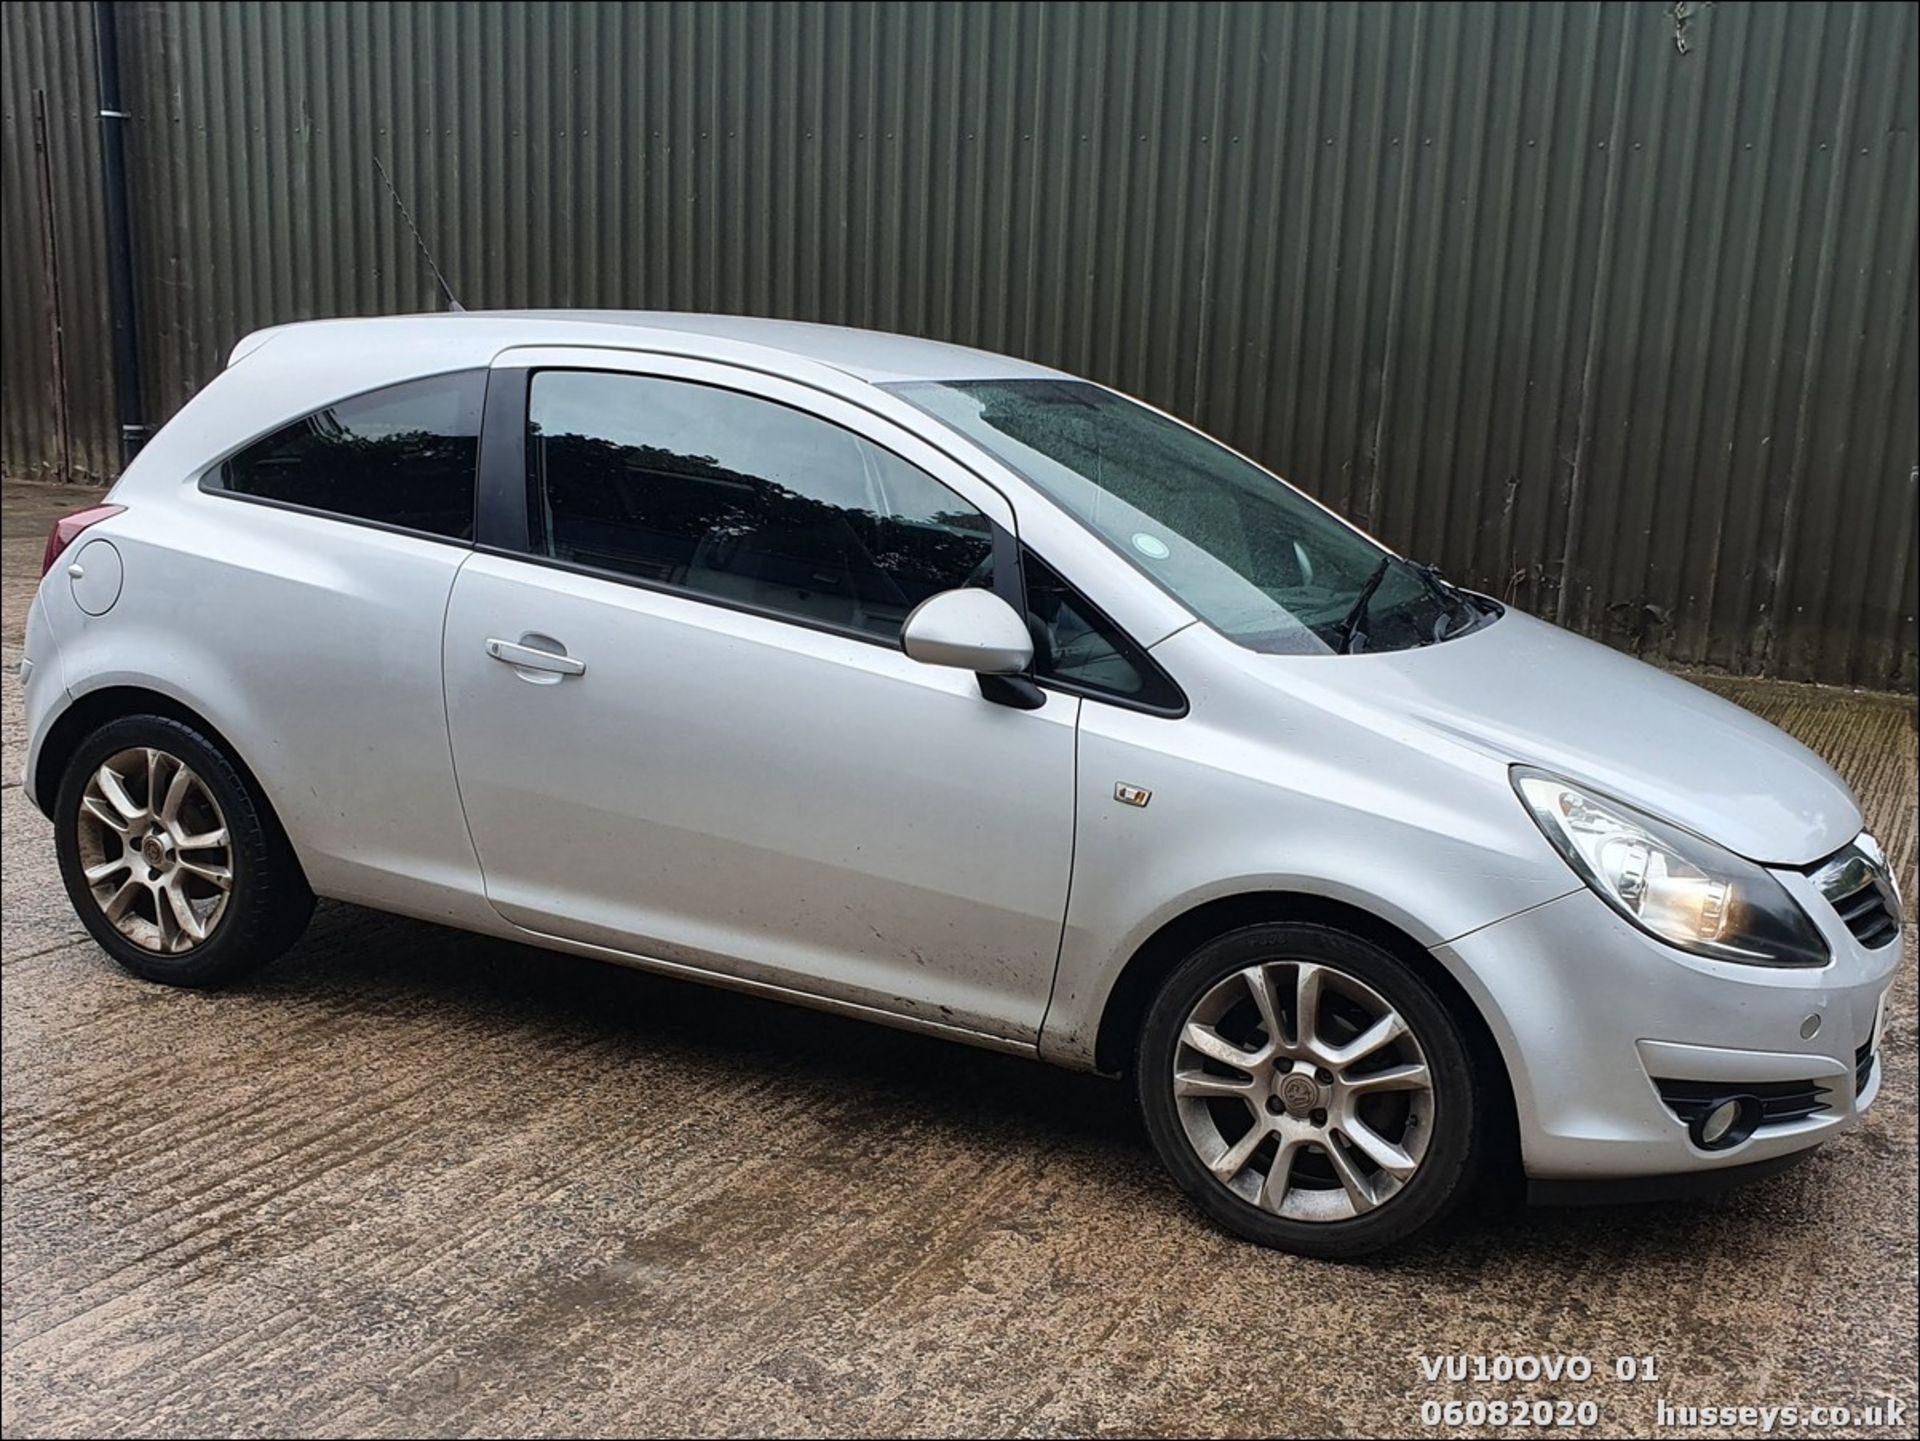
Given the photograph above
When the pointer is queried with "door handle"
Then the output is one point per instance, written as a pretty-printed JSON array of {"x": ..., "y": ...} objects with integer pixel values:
[{"x": 526, "y": 657}]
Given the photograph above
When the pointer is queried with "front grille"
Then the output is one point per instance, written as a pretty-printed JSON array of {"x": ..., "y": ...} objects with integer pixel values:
[
  {"x": 1863, "y": 1059},
  {"x": 1867, "y": 914},
  {"x": 1780, "y": 1101},
  {"x": 1855, "y": 882}
]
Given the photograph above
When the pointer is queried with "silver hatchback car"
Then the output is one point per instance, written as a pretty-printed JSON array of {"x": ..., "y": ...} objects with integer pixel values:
[{"x": 950, "y": 691}]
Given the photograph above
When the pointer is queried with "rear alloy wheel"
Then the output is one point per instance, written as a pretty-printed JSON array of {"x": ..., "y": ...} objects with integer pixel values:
[
  {"x": 170, "y": 857},
  {"x": 1309, "y": 1090},
  {"x": 154, "y": 848}
]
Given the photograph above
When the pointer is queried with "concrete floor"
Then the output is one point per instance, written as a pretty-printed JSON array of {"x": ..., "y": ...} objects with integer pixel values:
[{"x": 409, "y": 1182}]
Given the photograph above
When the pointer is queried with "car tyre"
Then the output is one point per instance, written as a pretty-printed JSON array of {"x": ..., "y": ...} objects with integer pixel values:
[
  {"x": 172, "y": 859},
  {"x": 1380, "y": 1148}
]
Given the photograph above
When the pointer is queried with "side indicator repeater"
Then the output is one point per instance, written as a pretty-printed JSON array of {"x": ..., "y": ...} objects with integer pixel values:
[{"x": 1131, "y": 795}]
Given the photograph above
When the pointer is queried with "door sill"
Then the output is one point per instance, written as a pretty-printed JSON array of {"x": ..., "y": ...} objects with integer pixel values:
[{"x": 899, "y": 1020}]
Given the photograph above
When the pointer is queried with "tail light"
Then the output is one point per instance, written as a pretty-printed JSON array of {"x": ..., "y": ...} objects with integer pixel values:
[{"x": 67, "y": 529}]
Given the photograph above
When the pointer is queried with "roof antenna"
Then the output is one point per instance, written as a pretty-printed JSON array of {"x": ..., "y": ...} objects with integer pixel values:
[{"x": 452, "y": 302}]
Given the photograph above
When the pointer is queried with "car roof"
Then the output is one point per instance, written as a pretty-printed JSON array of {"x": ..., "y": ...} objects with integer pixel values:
[{"x": 875, "y": 356}]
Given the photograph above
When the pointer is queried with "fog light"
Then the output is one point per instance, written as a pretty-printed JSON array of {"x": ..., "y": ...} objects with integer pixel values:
[{"x": 1726, "y": 1122}]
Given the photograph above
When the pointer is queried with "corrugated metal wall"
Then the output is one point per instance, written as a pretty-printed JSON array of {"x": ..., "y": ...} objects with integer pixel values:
[
  {"x": 56, "y": 396},
  {"x": 1607, "y": 310}
]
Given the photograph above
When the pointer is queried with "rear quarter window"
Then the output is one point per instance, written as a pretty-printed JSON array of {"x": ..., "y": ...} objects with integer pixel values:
[{"x": 402, "y": 456}]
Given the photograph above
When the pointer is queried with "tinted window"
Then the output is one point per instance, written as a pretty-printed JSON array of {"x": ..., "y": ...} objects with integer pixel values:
[
  {"x": 402, "y": 456},
  {"x": 741, "y": 499},
  {"x": 1078, "y": 646}
]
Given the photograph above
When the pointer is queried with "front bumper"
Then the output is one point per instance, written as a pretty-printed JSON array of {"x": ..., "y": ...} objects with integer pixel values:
[{"x": 1589, "y": 1012}]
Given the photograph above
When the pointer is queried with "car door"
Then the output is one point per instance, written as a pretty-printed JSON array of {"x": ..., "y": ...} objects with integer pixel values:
[{"x": 682, "y": 724}]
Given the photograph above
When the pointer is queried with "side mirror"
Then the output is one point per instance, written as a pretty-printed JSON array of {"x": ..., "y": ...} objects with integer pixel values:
[{"x": 969, "y": 630}]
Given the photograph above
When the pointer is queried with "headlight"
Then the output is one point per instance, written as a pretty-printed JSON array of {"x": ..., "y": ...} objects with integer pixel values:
[{"x": 1671, "y": 883}]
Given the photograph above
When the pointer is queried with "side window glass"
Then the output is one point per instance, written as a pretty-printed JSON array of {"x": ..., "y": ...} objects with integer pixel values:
[
  {"x": 1076, "y": 645},
  {"x": 742, "y": 499},
  {"x": 402, "y": 456}
]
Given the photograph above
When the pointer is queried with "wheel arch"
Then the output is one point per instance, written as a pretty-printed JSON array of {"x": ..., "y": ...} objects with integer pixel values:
[
  {"x": 1140, "y": 979},
  {"x": 92, "y": 709}
]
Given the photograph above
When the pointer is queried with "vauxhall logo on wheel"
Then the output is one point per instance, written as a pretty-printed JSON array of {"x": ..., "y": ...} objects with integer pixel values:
[{"x": 1298, "y": 1093}]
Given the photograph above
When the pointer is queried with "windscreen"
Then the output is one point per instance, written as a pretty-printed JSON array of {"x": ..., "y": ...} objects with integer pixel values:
[{"x": 1240, "y": 548}]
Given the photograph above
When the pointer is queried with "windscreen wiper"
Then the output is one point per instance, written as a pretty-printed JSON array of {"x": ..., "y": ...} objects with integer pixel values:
[
  {"x": 1349, "y": 628},
  {"x": 1449, "y": 595}
]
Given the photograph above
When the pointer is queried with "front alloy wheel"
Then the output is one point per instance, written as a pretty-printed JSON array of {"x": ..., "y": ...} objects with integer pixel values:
[
  {"x": 1309, "y": 1090},
  {"x": 1303, "y": 1091}
]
